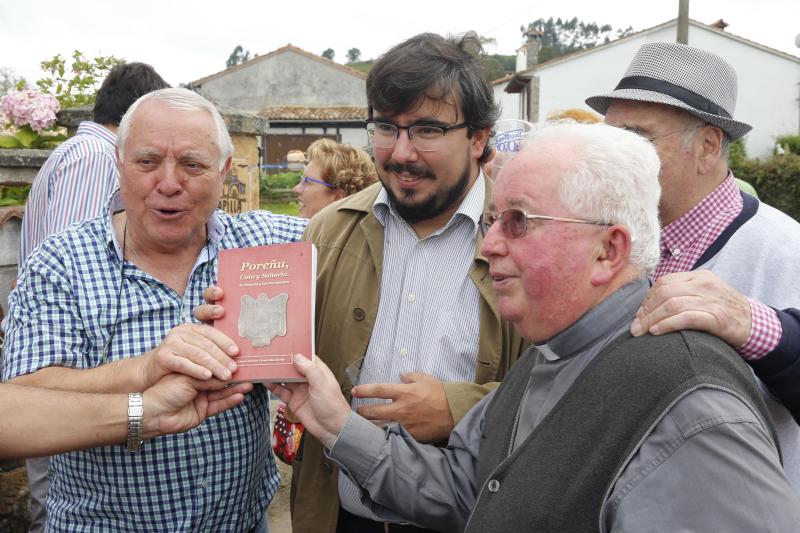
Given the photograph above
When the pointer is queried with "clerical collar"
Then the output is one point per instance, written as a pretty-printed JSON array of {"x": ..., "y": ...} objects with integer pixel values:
[{"x": 608, "y": 316}]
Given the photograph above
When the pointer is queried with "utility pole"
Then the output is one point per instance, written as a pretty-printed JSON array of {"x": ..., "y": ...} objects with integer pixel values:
[{"x": 683, "y": 21}]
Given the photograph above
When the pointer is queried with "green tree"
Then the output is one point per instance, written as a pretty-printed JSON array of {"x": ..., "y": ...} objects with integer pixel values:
[
  {"x": 562, "y": 37},
  {"x": 237, "y": 57},
  {"x": 498, "y": 65},
  {"x": 75, "y": 83},
  {"x": 328, "y": 53},
  {"x": 353, "y": 55}
]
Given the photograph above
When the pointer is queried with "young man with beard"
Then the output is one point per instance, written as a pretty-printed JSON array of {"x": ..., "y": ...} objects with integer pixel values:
[{"x": 403, "y": 294}]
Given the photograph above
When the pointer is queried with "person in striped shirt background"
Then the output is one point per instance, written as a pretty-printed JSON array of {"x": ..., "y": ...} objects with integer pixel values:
[{"x": 72, "y": 186}]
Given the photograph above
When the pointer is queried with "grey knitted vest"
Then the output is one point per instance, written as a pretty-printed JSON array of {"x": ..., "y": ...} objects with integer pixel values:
[{"x": 557, "y": 480}]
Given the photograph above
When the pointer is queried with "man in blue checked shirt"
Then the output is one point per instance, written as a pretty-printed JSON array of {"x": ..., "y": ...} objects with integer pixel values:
[
  {"x": 73, "y": 185},
  {"x": 105, "y": 307}
]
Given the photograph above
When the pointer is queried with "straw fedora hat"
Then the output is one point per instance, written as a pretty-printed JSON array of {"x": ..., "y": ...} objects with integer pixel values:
[{"x": 697, "y": 81}]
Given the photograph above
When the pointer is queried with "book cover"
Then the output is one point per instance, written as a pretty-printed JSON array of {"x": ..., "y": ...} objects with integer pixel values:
[{"x": 269, "y": 294}]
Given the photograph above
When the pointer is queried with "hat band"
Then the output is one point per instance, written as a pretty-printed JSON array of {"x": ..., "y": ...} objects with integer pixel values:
[{"x": 691, "y": 98}]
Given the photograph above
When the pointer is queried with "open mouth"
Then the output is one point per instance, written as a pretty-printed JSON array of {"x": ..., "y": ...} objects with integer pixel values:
[{"x": 169, "y": 213}]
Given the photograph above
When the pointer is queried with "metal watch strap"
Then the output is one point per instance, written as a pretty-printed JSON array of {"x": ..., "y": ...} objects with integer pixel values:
[{"x": 135, "y": 412}]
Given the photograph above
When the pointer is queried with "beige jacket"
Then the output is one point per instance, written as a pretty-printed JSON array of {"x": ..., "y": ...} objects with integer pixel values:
[{"x": 349, "y": 241}]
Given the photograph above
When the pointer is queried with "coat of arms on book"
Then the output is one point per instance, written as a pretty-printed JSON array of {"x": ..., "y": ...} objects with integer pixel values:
[{"x": 261, "y": 319}]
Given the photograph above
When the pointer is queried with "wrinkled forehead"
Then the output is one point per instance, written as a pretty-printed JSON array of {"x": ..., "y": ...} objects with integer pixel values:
[
  {"x": 533, "y": 177},
  {"x": 645, "y": 115},
  {"x": 156, "y": 124}
]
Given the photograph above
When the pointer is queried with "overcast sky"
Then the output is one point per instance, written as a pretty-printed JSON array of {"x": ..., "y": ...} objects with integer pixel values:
[{"x": 186, "y": 40}]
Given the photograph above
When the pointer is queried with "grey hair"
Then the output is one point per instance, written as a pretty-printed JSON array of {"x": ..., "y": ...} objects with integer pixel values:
[
  {"x": 178, "y": 98},
  {"x": 695, "y": 124},
  {"x": 612, "y": 177}
]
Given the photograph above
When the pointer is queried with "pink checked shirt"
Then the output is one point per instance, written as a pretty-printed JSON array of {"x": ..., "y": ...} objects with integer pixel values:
[{"x": 685, "y": 240}]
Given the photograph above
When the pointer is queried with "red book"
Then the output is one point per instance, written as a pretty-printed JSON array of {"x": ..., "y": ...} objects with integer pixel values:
[{"x": 269, "y": 296}]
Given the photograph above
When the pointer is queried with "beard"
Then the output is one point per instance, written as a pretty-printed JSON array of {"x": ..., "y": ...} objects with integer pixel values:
[{"x": 410, "y": 206}]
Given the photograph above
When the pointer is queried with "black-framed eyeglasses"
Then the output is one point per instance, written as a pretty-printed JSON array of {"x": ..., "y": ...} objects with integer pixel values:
[
  {"x": 307, "y": 179},
  {"x": 424, "y": 137},
  {"x": 514, "y": 222}
]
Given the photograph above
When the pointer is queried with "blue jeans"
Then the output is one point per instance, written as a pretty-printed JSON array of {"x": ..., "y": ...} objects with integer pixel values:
[{"x": 263, "y": 526}]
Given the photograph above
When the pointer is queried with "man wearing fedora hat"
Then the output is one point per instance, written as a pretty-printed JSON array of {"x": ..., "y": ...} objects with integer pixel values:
[{"x": 728, "y": 262}]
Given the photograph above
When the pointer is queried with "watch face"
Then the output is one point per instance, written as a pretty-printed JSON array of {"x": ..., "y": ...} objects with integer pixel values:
[{"x": 137, "y": 410}]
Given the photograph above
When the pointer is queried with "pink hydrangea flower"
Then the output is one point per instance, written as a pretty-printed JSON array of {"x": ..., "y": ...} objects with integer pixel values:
[{"x": 28, "y": 107}]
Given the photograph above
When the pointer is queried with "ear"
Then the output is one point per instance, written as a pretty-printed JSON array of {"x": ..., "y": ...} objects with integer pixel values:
[
  {"x": 611, "y": 256},
  {"x": 478, "y": 141},
  {"x": 708, "y": 143}
]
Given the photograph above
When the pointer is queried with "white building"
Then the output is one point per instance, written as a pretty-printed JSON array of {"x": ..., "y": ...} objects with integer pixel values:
[{"x": 769, "y": 80}]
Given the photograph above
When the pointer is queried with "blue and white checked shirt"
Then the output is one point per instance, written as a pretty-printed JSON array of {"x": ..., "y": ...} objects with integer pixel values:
[
  {"x": 72, "y": 185},
  {"x": 217, "y": 477}
]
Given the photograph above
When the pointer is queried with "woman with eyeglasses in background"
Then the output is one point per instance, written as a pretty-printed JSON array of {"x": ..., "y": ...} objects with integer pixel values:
[{"x": 333, "y": 171}]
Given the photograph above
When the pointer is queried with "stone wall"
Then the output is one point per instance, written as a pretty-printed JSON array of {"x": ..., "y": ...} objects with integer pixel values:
[
  {"x": 16, "y": 167},
  {"x": 15, "y": 511}
]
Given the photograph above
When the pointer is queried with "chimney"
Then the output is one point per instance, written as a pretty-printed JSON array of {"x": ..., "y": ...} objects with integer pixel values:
[
  {"x": 720, "y": 25},
  {"x": 522, "y": 59},
  {"x": 528, "y": 53}
]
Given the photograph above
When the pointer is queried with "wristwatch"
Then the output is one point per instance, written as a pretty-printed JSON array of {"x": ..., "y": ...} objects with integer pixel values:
[{"x": 135, "y": 412}]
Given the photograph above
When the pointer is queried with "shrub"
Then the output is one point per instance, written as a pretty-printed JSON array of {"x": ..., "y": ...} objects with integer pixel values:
[
  {"x": 284, "y": 180},
  {"x": 737, "y": 153},
  {"x": 791, "y": 143},
  {"x": 776, "y": 179}
]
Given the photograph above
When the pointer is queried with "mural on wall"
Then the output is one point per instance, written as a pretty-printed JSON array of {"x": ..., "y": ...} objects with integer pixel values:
[{"x": 235, "y": 197}]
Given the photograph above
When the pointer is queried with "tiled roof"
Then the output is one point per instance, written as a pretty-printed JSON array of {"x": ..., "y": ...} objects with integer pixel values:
[{"x": 315, "y": 113}]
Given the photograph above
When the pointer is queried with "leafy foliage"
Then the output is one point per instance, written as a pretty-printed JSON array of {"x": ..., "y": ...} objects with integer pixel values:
[
  {"x": 237, "y": 57},
  {"x": 13, "y": 195},
  {"x": 562, "y": 37},
  {"x": 776, "y": 179},
  {"x": 76, "y": 83},
  {"x": 328, "y": 53},
  {"x": 790, "y": 143},
  {"x": 737, "y": 155},
  {"x": 25, "y": 137}
]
